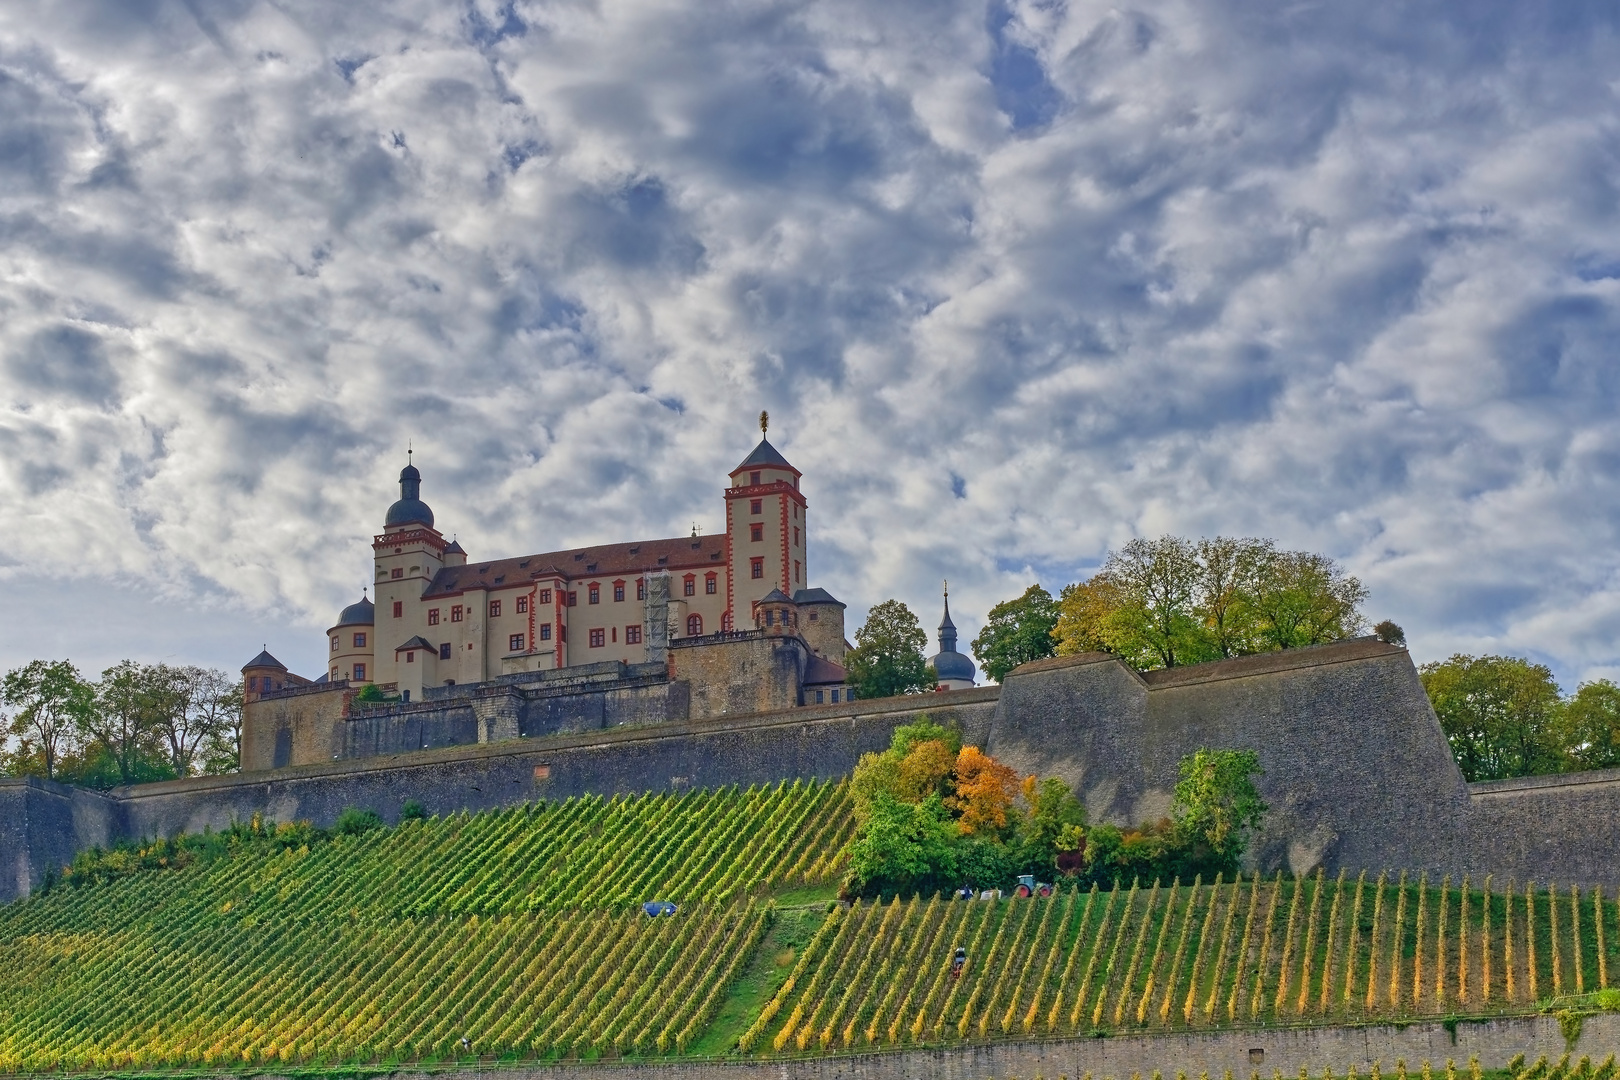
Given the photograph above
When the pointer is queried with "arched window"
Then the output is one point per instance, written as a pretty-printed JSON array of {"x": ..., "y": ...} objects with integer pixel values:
[
  {"x": 694, "y": 626},
  {"x": 725, "y": 623}
]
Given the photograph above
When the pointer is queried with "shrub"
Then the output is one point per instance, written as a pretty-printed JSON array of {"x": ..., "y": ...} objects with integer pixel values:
[
  {"x": 354, "y": 821},
  {"x": 413, "y": 811}
]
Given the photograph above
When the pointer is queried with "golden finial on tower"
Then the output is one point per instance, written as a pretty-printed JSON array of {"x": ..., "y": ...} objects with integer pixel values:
[
  {"x": 947, "y": 588},
  {"x": 764, "y": 422}
]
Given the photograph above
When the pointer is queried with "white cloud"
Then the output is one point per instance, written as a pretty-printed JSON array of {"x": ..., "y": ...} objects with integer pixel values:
[{"x": 1016, "y": 282}]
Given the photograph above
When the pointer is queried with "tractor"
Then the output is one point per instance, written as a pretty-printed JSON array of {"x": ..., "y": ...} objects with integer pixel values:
[{"x": 1027, "y": 886}]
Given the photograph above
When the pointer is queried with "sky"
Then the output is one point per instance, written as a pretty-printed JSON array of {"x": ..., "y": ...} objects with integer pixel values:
[{"x": 1017, "y": 282}]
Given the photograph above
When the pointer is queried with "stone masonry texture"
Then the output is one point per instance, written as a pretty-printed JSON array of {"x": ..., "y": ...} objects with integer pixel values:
[{"x": 1356, "y": 770}]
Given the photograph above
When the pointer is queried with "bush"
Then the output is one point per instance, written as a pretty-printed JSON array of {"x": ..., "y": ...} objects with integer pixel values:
[
  {"x": 413, "y": 811},
  {"x": 354, "y": 821}
]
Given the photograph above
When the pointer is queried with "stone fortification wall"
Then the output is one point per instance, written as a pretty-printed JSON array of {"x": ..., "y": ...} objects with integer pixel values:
[
  {"x": 294, "y": 726},
  {"x": 1285, "y": 1050},
  {"x": 740, "y": 672},
  {"x": 1357, "y": 771},
  {"x": 822, "y": 742},
  {"x": 43, "y": 825}
]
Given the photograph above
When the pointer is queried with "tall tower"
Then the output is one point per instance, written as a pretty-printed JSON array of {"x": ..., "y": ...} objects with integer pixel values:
[
  {"x": 765, "y": 530},
  {"x": 407, "y": 554}
]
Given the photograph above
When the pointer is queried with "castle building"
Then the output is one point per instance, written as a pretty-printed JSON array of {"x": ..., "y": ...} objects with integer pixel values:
[{"x": 439, "y": 620}]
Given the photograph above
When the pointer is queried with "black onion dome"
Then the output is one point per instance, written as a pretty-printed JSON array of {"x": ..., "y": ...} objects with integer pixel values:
[
  {"x": 954, "y": 665},
  {"x": 410, "y": 509},
  {"x": 363, "y": 613}
]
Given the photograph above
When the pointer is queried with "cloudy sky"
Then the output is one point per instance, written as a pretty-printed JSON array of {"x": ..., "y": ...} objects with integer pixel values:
[{"x": 1016, "y": 281}]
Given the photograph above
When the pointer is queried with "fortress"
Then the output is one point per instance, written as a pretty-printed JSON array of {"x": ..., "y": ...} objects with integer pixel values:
[{"x": 732, "y": 680}]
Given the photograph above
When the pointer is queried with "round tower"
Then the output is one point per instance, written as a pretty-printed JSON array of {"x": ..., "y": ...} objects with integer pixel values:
[{"x": 350, "y": 645}]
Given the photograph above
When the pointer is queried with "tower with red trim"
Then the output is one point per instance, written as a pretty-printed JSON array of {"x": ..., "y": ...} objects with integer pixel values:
[{"x": 765, "y": 531}]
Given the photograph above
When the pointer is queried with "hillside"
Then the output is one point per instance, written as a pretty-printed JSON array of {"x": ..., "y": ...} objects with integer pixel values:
[{"x": 521, "y": 931}]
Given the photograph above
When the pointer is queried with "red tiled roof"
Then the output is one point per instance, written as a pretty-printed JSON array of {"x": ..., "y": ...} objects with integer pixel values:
[{"x": 602, "y": 561}]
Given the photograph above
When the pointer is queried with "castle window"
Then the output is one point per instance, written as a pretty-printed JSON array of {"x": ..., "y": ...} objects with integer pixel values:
[
  {"x": 632, "y": 635},
  {"x": 689, "y": 585},
  {"x": 456, "y": 612},
  {"x": 756, "y": 532},
  {"x": 545, "y": 631},
  {"x": 515, "y": 643},
  {"x": 756, "y": 506},
  {"x": 711, "y": 584},
  {"x": 359, "y": 641},
  {"x": 641, "y": 589},
  {"x": 433, "y": 616},
  {"x": 573, "y": 599},
  {"x": 756, "y": 568},
  {"x": 818, "y": 697},
  {"x": 795, "y": 536},
  {"x": 444, "y": 650},
  {"x": 615, "y": 635},
  {"x": 813, "y": 615},
  {"x": 522, "y": 605},
  {"x": 753, "y": 478},
  {"x": 399, "y": 608},
  {"x": 725, "y": 623},
  {"x": 410, "y": 657},
  {"x": 797, "y": 576},
  {"x": 494, "y": 609},
  {"x": 334, "y": 643},
  {"x": 598, "y": 638},
  {"x": 396, "y": 572},
  {"x": 618, "y": 592},
  {"x": 694, "y": 625},
  {"x": 835, "y": 697},
  {"x": 359, "y": 673},
  {"x": 562, "y": 634},
  {"x": 545, "y": 596},
  {"x": 334, "y": 674},
  {"x": 594, "y": 593}
]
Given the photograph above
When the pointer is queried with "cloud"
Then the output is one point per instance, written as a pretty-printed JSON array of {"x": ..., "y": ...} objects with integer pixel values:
[{"x": 1018, "y": 281}]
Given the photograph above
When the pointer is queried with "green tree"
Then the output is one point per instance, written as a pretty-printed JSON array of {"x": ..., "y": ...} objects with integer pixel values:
[
  {"x": 50, "y": 702},
  {"x": 1229, "y": 572},
  {"x": 1016, "y": 632},
  {"x": 1305, "y": 599},
  {"x": 1500, "y": 713},
  {"x": 1589, "y": 728},
  {"x": 196, "y": 710},
  {"x": 888, "y": 655},
  {"x": 132, "y": 701},
  {"x": 1156, "y": 625},
  {"x": 1054, "y": 823},
  {"x": 222, "y": 753},
  {"x": 1218, "y": 806},
  {"x": 903, "y": 846}
]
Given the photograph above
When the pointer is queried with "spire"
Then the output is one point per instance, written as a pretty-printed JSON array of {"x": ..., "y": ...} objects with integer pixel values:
[
  {"x": 764, "y": 422},
  {"x": 947, "y": 629}
]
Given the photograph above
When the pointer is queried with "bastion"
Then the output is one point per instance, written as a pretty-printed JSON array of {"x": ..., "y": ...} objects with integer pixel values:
[{"x": 1357, "y": 772}]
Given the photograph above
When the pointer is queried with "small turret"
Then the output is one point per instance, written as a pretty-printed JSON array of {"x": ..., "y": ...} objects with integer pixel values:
[
  {"x": 410, "y": 509},
  {"x": 776, "y": 615}
]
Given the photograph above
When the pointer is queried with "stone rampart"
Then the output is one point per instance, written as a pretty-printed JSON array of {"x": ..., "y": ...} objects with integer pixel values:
[
  {"x": 1358, "y": 774},
  {"x": 1245, "y": 1052}
]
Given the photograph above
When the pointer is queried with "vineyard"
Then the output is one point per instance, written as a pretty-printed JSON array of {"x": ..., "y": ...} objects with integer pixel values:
[
  {"x": 1249, "y": 951},
  {"x": 521, "y": 932},
  {"x": 517, "y": 930}
]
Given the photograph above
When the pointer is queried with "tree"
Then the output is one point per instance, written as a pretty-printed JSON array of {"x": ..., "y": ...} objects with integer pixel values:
[
  {"x": 1589, "y": 728},
  {"x": 985, "y": 790},
  {"x": 1500, "y": 713},
  {"x": 1305, "y": 599},
  {"x": 131, "y": 701},
  {"x": 222, "y": 753},
  {"x": 1229, "y": 571},
  {"x": 1156, "y": 626},
  {"x": 1016, "y": 632},
  {"x": 1055, "y": 823},
  {"x": 1218, "y": 806},
  {"x": 888, "y": 655},
  {"x": 197, "y": 707},
  {"x": 1083, "y": 613},
  {"x": 51, "y": 702},
  {"x": 903, "y": 845}
]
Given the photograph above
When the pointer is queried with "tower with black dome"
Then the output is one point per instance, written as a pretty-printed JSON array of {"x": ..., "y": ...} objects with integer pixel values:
[
  {"x": 953, "y": 670},
  {"x": 407, "y": 554},
  {"x": 351, "y": 643}
]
